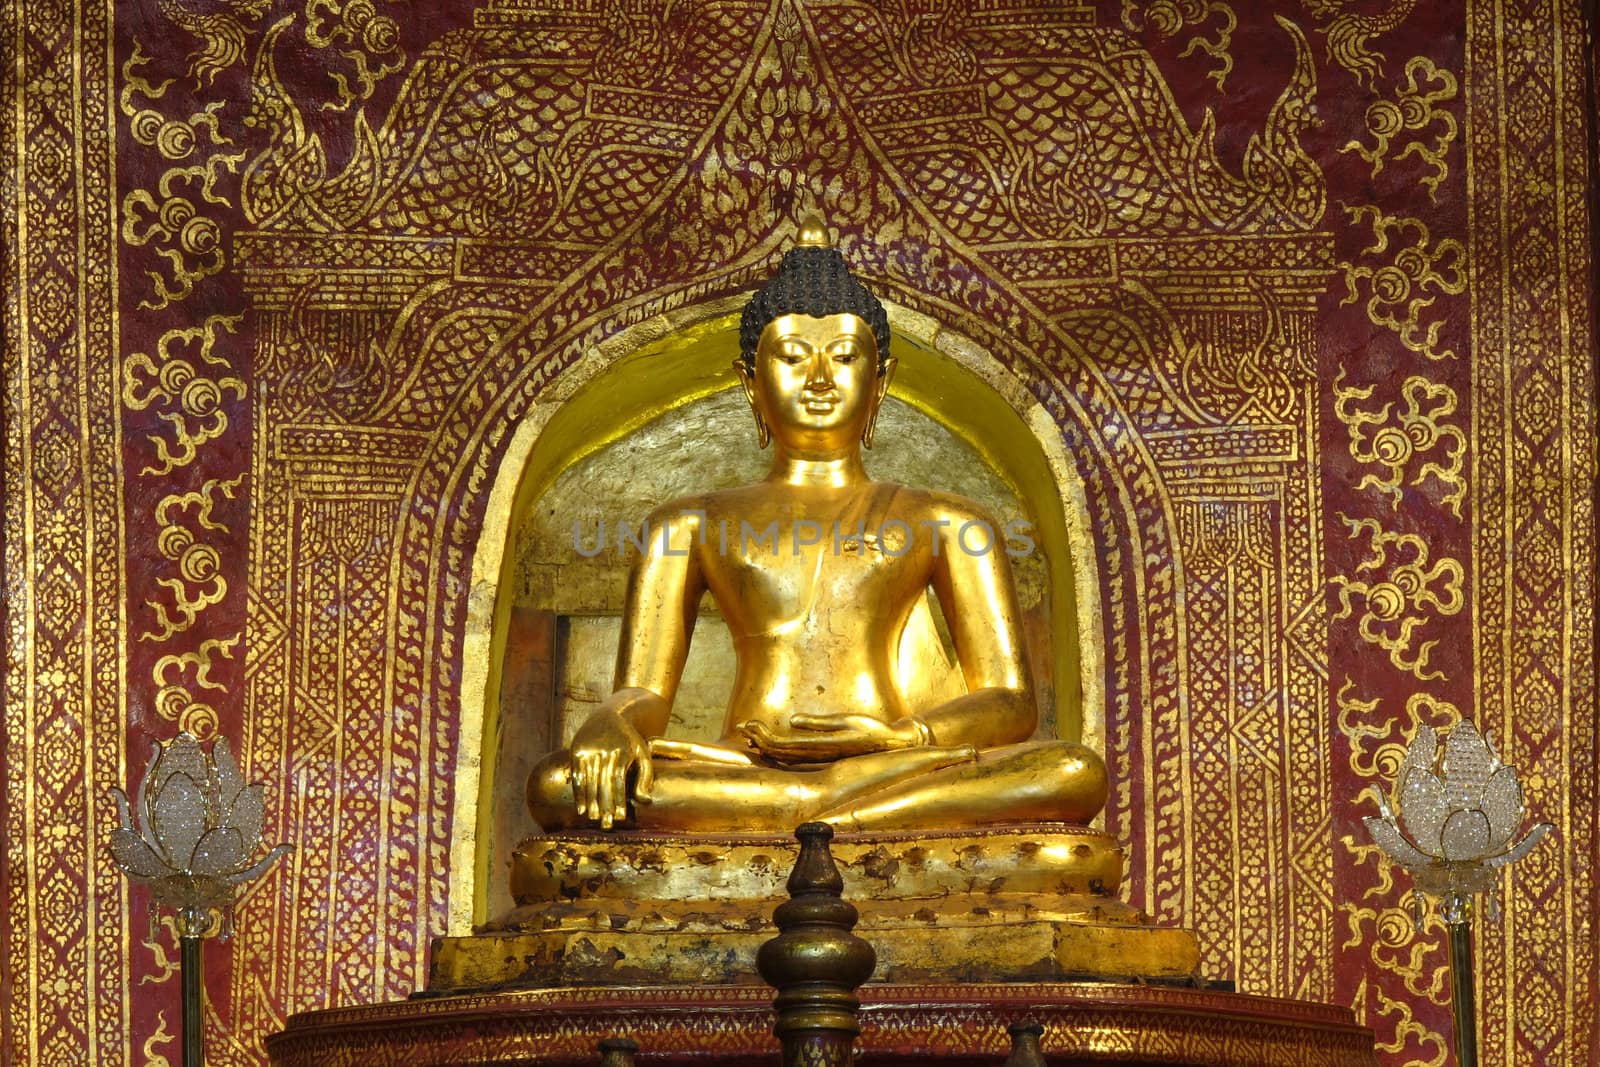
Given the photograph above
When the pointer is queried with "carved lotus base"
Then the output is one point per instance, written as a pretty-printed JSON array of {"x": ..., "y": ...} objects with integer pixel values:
[
  {"x": 1036, "y": 859},
  {"x": 1004, "y": 904}
]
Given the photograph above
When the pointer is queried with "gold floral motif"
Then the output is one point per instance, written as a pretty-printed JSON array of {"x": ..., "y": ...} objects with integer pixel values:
[
  {"x": 174, "y": 138},
  {"x": 1409, "y": 1034},
  {"x": 1393, "y": 440},
  {"x": 1415, "y": 110},
  {"x": 189, "y": 401},
  {"x": 1170, "y": 17},
  {"x": 221, "y": 28},
  {"x": 180, "y": 232},
  {"x": 174, "y": 701},
  {"x": 161, "y": 1036},
  {"x": 200, "y": 583},
  {"x": 163, "y": 932},
  {"x": 1398, "y": 598},
  {"x": 1398, "y": 292},
  {"x": 1349, "y": 32},
  {"x": 172, "y": 219},
  {"x": 369, "y": 40},
  {"x": 1391, "y": 933},
  {"x": 1376, "y": 751}
]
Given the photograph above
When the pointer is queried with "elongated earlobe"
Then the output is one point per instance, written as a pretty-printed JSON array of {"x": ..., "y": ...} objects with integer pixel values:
[
  {"x": 763, "y": 432},
  {"x": 880, "y": 391}
]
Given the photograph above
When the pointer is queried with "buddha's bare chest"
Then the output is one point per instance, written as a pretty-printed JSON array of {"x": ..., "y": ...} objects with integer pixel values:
[{"x": 807, "y": 575}]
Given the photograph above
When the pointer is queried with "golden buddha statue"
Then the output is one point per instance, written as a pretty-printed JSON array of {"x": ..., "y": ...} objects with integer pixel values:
[
  {"x": 660, "y": 859},
  {"x": 816, "y": 570}
]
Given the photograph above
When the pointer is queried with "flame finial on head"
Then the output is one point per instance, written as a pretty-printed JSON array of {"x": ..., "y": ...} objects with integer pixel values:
[{"x": 813, "y": 233}]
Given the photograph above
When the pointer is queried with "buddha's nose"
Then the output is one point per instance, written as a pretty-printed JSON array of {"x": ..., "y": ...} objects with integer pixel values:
[{"x": 820, "y": 375}]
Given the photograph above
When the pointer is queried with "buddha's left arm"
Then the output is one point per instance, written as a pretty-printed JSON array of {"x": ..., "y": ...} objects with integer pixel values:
[{"x": 979, "y": 600}]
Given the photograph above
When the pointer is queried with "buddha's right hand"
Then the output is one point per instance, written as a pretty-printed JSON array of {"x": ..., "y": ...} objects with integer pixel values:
[{"x": 604, "y": 750}]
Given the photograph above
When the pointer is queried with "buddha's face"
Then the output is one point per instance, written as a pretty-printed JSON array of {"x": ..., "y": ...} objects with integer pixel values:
[{"x": 816, "y": 383}]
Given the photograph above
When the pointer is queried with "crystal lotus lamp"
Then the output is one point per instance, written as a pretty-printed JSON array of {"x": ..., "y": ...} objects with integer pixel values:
[
  {"x": 1451, "y": 820},
  {"x": 199, "y": 825},
  {"x": 1450, "y": 823}
]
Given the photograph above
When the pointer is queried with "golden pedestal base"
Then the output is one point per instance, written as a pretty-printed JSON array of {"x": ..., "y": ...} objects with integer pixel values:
[{"x": 1005, "y": 904}]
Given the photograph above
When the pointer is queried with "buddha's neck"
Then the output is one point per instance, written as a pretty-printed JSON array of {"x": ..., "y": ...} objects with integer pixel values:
[{"x": 821, "y": 471}]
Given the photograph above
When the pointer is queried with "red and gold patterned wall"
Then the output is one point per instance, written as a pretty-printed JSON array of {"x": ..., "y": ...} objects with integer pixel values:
[{"x": 1306, "y": 285}]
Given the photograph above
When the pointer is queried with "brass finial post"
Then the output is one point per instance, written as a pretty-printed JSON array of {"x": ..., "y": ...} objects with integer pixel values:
[
  {"x": 617, "y": 1052},
  {"x": 1025, "y": 1048},
  {"x": 1463, "y": 998},
  {"x": 193, "y": 923},
  {"x": 816, "y": 962}
]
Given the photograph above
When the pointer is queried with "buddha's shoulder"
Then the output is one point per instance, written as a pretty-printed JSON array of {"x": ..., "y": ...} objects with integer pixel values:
[
  {"x": 709, "y": 505},
  {"x": 915, "y": 502},
  {"x": 892, "y": 499}
]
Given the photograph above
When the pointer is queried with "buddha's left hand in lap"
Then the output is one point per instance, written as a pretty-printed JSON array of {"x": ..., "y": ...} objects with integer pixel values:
[{"x": 823, "y": 738}]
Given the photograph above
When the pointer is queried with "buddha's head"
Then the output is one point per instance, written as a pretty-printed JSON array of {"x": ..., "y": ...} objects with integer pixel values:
[{"x": 814, "y": 352}]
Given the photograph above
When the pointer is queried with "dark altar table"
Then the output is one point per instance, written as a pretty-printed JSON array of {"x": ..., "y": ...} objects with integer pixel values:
[{"x": 1084, "y": 1023}]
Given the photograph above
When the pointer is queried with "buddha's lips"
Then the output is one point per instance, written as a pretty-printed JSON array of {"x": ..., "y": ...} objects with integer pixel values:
[{"x": 821, "y": 405}]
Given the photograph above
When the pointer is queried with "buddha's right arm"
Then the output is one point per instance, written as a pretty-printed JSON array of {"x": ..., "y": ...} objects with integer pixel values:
[
  {"x": 664, "y": 589},
  {"x": 644, "y": 710}
]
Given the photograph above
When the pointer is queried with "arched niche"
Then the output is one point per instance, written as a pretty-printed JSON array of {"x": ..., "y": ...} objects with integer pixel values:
[{"x": 659, "y": 405}]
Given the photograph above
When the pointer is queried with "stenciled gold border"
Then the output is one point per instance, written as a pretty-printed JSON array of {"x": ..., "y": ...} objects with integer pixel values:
[
  {"x": 66, "y": 934},
  {"x": 1531, "y": 491}
]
